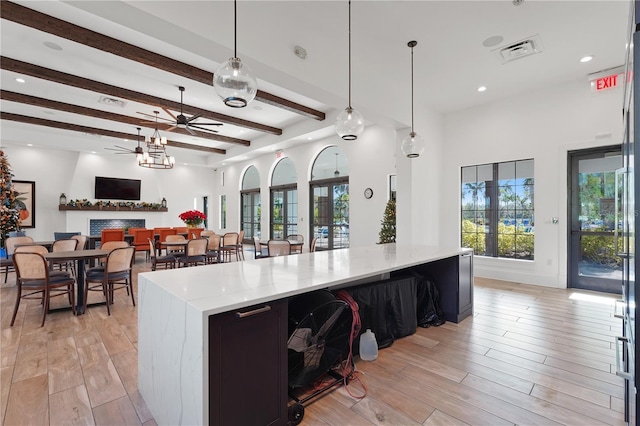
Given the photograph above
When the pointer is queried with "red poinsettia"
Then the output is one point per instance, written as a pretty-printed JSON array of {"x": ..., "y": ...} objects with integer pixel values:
[{"x": 192, "y": 217}]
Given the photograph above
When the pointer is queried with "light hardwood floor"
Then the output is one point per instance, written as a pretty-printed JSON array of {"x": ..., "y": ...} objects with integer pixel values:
[{"x": 529, "y": 356}]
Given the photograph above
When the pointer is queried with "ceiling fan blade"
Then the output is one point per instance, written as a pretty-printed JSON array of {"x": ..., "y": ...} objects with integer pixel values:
[
  {"x": 207, "y": 124},
  {"x": 204, "y": 129},
  {"x": 194, "y": 117},
  {"x": 170, "y": 113},
  {"x": 190, "y": 131},
  {"x": 153, "y": 117}
]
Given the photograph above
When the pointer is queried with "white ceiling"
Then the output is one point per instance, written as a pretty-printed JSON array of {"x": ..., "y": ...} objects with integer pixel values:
[{"x": 450, "y": 60}]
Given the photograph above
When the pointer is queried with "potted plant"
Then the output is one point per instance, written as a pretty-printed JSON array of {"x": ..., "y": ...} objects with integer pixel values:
[{"x": 192, "y": 218}]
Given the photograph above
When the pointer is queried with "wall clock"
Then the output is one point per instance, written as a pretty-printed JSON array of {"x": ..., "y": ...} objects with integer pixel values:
[{"x": 368, "y": 193}]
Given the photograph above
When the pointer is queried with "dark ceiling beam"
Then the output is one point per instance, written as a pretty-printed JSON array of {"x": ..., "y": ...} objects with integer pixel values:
[
  {"x": 37, "y": 71},
  {"x": 34, "y": 19},
  {"x": 103, "y": 132},
  {"x": 105, "y": 115}
]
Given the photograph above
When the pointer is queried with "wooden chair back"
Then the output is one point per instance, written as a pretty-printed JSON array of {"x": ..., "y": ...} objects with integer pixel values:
[
  {"x": 279, "y": 248},
  {"x": 112, "y": 245},
  {"x": 197, "y": 247},
  {"x": 64, "y": 245},
  {"x": 312, "y": 246},
  {"x": 11, "y": 243},
  {"x": 82, "y": 241},
  {"x": 36, "y": 248}
]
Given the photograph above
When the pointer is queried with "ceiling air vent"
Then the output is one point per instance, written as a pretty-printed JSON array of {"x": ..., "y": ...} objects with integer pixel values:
[
  {"x": 521, "y": 49},
  {"x": 111, "y": 101}
]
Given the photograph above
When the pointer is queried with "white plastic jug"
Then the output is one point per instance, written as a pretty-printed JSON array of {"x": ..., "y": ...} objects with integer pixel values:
[{"x": 368, "y": 346}]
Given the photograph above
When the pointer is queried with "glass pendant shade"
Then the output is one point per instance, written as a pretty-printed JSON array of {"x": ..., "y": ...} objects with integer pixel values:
[
  {"x": 349, "y": 124},
  {"x": 412, "y": 145},
  {"x": 234, "y": 83}
]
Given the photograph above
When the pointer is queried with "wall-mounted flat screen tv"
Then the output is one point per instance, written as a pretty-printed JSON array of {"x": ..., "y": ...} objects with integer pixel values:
[{"x": 117, "y": 189}]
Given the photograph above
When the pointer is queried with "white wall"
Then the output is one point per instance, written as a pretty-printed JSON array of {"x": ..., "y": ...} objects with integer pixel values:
[
  {"x": 56, "y": 171},
  {"x": 544, "y": 125},
  {"x": 371, "y": 159}
]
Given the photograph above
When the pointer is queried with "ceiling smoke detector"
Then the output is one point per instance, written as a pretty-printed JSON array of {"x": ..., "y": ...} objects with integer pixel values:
[
  {"x": 520, "y": 49},
  {"x": 300, "y": 52},
  {"x": 111, "y": 101}
]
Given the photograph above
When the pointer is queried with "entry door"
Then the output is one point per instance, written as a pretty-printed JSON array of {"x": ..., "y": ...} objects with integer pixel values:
[
  {"x": 593, "y": 260},
  {"x": 330, "y": 212}
]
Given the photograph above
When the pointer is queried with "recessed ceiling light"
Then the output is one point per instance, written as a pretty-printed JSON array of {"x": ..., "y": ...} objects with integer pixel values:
[
  {"x": 310, "y": 138},
  {"x": 52, "y": 45},
  {"x": 482, "y": 88},
  {"x": 126, "y": 140},
  {"x": 29, "y": 144},
  {"x": 586, "y": 59},
  {"x": 93, "y": 152},
  {"x": 20, "y": 80}
]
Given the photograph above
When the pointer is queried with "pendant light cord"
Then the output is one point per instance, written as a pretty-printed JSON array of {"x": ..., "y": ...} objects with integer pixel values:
[
  {"x": 412, "y": 131},
  {"x": 349, "y": 53},
  {"x": 235, "y": 28}
]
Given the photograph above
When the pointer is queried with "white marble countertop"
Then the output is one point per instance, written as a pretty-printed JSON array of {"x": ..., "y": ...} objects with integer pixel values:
[{"x": 220, "y": 288}]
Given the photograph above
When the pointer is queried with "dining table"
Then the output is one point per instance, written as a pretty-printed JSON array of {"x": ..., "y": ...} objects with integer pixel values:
[{"x": 80, "y": 257}]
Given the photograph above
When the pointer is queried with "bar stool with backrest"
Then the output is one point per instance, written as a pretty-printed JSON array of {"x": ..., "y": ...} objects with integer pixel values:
[
  {"x": 167, "y": 261},
  {"x": 116, "y": 275},
  {"x": 33, "y": 278},
  {"x": 111, "y": 235},
  {"x": 10, "y": 244},
  {"x": 195, "y": 253},
  {"x": 279, "y": 248}
]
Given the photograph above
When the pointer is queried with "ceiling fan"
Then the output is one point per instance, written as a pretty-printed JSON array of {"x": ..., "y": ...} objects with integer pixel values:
[
  {"x": 181, "y": 121},
  {"x": 123, "y": 150}
]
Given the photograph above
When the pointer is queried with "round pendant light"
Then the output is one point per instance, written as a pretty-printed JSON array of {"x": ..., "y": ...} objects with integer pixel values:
[
  {"x": 413, "y": 144},
  {"x": 233, "y": 80},
  {"x": 349, "y": 123}
]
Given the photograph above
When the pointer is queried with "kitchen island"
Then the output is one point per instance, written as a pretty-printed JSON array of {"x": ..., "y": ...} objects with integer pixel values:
[{"x": 212, "y": 338}]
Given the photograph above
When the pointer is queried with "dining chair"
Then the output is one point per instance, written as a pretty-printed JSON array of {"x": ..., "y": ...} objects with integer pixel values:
[
  {"x": 258, "y": 253},
  {"x": 162, "y": 237},
  {"x": 240, "y": 245},
  {"x": 194, "y": 233},
  {"x": 195, "y": 253},
  {"x": 296, "y": 238},
  {"x": 10, "y": 244},
  {"x": 169, "y": 262},
  {"x": 34, "y": 281},
  {"x": 175, "y": 251},
  {"x": 180, "y": 229},
  {"x": 229, "y": 246},
  {"x": 82, "y": 241},
  {"x": 115, "y": 275},
  {"x": 213, "y": 248},
  {"x": 64, "y": 235},
  {"x": 278, "y": 248},
  {"x": 111, "y": 235},
  {"x": 70, "y": 244},
  {"x": 312, "y": 245},
  {"x": 43, "y": 251},
  {"x": 141, "y": 241}
]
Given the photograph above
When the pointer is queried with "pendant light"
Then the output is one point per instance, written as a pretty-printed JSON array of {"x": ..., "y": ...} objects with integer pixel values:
[
  {"x": 233, "y": 80},
  {"x": 350, "y": 123},
  {"x": 413, "y": 144}
]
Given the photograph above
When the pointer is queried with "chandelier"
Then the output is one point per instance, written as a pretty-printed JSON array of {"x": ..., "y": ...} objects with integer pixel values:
[{"x": 155, "y": 157}]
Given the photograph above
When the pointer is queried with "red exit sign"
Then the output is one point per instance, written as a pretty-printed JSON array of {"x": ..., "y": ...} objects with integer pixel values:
[{"x": 606, "y": 82}]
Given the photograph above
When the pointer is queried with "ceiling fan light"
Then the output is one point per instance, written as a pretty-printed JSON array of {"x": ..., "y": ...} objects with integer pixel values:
[
  {"x": 412, "y": 145},
  {"x": 349, "y": 124},
  {"x": 235, "y": 84}
]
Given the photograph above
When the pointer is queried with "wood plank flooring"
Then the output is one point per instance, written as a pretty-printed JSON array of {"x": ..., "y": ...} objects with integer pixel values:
[{"x": 528, "y": 356}]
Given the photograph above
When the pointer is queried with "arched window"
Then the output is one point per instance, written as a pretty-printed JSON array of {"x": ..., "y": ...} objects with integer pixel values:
[
  {"x": 284, "y": 200},
  {"x": 329, "y": 189},
  {"x": 250, "y": 199}
]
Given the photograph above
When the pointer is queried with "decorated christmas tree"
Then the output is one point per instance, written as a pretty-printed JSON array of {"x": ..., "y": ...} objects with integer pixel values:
[
  {"x": 388, "y": 232},
  {"x": 9, "y": 215}
]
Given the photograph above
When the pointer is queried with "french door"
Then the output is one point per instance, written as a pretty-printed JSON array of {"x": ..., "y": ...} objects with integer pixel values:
[
  {"x": 330, "y": 213},
  {"x": 250, "y": 214},
  {"x": 284, "y": 212},
  {"x": 594, "y": 263}
]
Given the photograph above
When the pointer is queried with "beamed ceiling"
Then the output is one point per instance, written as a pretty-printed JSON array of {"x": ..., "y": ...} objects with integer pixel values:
[{"x": 97, "y": 70}]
